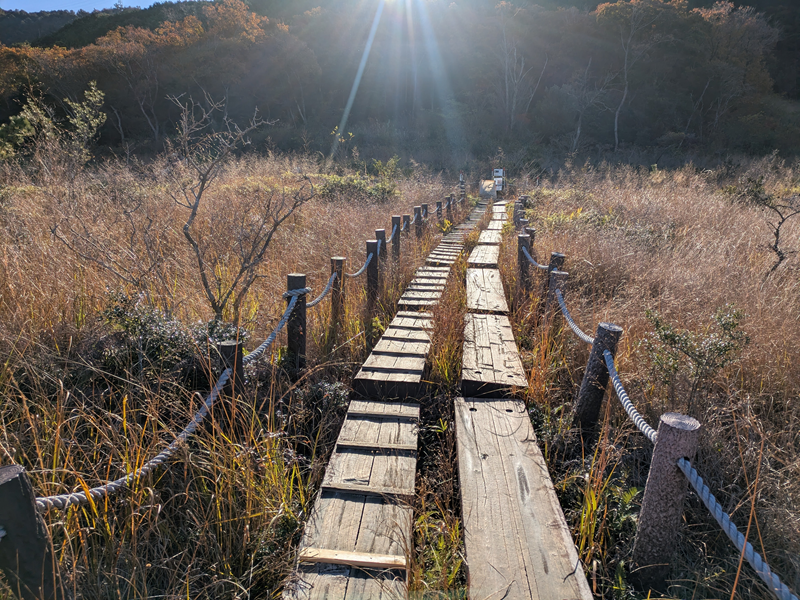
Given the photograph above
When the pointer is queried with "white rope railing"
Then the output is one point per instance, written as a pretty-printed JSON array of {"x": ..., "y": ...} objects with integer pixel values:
[
  {"x": 762, "y": 569},
  {"x": 64, "y": 501},
  {"x": 637, "y": 419},
  {"x": 760, "y": 566},
  {"x": 533, "y": 260},
  {"x": 324, "y": 293},
  {"x": 362, "y": 269},
  {"x": 394, "y": 233},
  {"x": 586, "y": 338}
]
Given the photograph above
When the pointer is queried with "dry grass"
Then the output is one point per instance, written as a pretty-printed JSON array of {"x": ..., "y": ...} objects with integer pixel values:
[
  {"x": 222, "y": 520},
  {"x": 683, "y": 243}
]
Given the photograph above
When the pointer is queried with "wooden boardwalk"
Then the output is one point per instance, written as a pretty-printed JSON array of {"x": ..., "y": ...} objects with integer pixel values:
[
  {"x": 491, "y": 237},
  {"x": 518, "y": 545},
  {"x": 425, "y": 289},
  {"x": 485, "y": 292},
  {"x": 395, "y": 367},
  {"x": 355, "y": 542},
  {"x": 484, "y": 255},
  {"x": 491, "y": 364}
]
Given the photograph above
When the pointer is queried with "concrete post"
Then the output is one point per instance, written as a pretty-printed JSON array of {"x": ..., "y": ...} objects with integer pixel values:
[{"x": 662, "y": 506}]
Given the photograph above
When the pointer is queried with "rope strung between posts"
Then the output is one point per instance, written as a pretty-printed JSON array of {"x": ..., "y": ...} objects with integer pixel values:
[
  {"x": 293, "y": 294},
  {"x": 533, "y": 261},
  {"x": 64, "y": 501},
  {"x": 362, "y": 269},
  {"x": 394, "y": 233},
  {"x": 638, "y": 420},
  {"x": 781, "y": 591},
  {"x": 774, "y": 582},
  {"x": 586, "y": 338},
  {"x": 324, "y": 293}
]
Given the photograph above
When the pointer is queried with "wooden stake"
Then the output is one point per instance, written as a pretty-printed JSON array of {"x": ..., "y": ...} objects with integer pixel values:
[
  {"x": 595, "y": 378},
  {"x": 296, "y": 325}
]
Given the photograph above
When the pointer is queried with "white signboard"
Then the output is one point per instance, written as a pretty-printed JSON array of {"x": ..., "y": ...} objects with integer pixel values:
[
  {"x": 498, "y": 184},
  {"x": 499, "y": 173}
]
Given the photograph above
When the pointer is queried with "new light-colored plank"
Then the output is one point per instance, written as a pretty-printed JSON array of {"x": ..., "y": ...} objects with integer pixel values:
[
  {"x": 353, "y": 559},
  {"x": 484, "y": 255},
  {"x": 518, "y": 545},
  {"x": 491, "y": 364},
  {"x": 485, "y": 291}
]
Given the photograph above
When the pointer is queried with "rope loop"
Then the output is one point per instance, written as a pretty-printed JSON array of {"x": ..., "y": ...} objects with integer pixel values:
[
  {"x": 362, "y": 269},
  {"x": 586, "y": 338},
  {"x": 776, "y": 586},
  {"x": 650, "y": 433},
  {"x": 533, "y": 261},
  {"x": 297, "y": 292},
  {"x": 325, "y": 292}
]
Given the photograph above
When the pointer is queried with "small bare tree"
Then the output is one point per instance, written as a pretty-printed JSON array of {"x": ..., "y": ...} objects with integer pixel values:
[{"x": 201, "y": 154}]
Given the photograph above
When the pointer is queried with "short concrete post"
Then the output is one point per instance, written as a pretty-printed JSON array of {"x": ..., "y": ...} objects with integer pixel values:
[
  {"x": 558, "y": 281},
  {"x": 523, "y": 264},
  {"x": 383, "y": 254},
  {"x": 296, "y": 325},
  {"x": 396, "y": 226},
  {"x": 232, "y": 355},
  {"x": 418, "y": 220},
  {"x": 439, "y": 211},
  {"x": 662, "y": 505},
  {"x": 373, "y": 276},
  {"x": 26, "y": 552},
  {"x": 424, "y": 207},
  {"x": 337, "y": 293},
  {"x": 407, "y": 224},
  {"x": 595, "y": 378}
]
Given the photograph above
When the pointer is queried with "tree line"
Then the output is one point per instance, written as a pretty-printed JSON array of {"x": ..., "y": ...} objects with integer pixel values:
[{"x": 456, "y": 78}]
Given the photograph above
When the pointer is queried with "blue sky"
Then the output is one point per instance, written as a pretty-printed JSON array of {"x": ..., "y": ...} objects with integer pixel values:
[{"x": 76, "y": 5}]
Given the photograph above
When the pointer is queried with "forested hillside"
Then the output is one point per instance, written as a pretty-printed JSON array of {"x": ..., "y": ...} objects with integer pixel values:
[{"x": 444, "y": 82}]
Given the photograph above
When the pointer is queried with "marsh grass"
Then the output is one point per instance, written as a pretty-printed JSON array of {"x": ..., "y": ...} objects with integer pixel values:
[
  {"x": 223, "y": 519},
  {"x": 682, "y": 244}
]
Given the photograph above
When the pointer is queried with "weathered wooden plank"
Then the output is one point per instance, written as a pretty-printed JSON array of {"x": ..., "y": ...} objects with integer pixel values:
[
  {"x": 395, "y": 362},
  {"x": 491, "y": 237},
  {"x": 495, "y": 225},
  {"x": 353, "y": 559},
  {"x": 388, "y": 493},
  {"x": 378, "y": 409},
  {"x": 491, "y": 364},
  {"x": 406, "y": 334},
  {"x": 484, "y": 255},
  {"x": 485, "y": 291},
  {"x": 394, "y": 346},
  {"x": 375, "y": 446},
  {"x": 518, "y": 545}
]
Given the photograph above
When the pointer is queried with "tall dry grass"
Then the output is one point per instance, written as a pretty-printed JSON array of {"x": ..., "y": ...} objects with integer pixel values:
[
  {"x": 683, "y": 243},
  {"x": 221, "y": 520}
]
